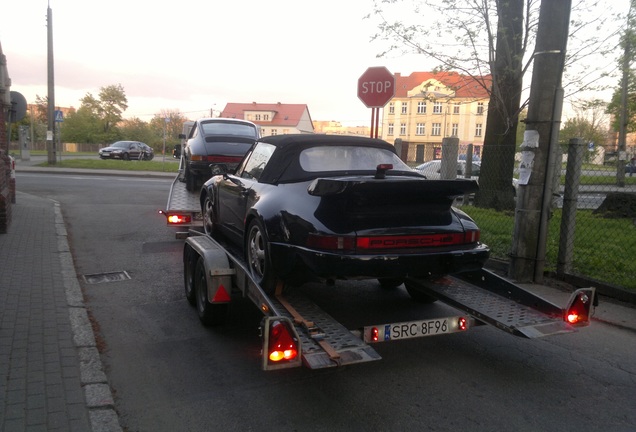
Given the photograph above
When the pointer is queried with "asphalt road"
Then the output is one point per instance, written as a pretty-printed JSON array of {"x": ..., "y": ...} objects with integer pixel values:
[{"x": 169, "y": 373}]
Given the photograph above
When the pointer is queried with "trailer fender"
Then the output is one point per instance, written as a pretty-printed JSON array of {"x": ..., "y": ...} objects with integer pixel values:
[{"x": 219, "y": 273}]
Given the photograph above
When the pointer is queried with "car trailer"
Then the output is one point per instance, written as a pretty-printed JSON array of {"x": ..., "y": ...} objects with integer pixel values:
[{"x": 296, "y": 332}]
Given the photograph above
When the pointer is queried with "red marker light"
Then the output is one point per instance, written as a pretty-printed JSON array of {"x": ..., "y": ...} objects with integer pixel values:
[
  {"x": 462, "y": 323},
  {"x": 375, "y": 334},
  {"x": 580, "y": 307},
  {"x": 282, "y": 345},
  {"x": 176, "y": 219}
]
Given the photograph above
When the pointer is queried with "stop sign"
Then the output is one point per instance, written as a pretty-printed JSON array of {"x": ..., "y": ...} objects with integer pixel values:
[{"x": 376, "y": 86}]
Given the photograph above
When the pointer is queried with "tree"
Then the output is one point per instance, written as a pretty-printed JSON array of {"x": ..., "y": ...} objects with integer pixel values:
[
  {"x": 490, "y": 39},
  {"x": 172, "y": 127},
  {"x": 590, "y": 123},
  {"x": 108, "y": 110}
]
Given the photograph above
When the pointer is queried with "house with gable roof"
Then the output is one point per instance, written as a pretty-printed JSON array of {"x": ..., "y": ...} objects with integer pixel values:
[
  {"x": 273, "y": 118},
  {"x": 429, "y": 106}
]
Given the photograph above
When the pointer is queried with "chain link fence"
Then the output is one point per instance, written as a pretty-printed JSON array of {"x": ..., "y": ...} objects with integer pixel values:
[{"x": 592, "y": 222}]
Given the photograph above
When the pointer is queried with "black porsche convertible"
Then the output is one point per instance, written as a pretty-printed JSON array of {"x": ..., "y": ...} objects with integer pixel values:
[{"x": 333, "y": 207}]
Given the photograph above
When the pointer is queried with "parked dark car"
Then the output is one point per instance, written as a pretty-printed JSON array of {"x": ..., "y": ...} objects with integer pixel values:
[
  {"x": 127, "y": 150},
  {"x": 329, "y": 206},
  {"x": 214, "y": 140}
]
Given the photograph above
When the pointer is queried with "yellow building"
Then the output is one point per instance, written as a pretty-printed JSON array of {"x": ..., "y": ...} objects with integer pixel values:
[{"x": 429, "y": 106}]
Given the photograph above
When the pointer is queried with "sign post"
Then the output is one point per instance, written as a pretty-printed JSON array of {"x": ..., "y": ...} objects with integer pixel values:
[{"x": 376, "y": 87}]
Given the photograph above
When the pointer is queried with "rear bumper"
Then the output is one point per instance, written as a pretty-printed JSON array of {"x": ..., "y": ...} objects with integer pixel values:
[{"x": 330, "y": 265}]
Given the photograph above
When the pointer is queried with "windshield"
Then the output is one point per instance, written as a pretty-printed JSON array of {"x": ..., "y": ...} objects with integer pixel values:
[
  {"x": 120, "y": 144},
  {"x": 348, "y": 158}
]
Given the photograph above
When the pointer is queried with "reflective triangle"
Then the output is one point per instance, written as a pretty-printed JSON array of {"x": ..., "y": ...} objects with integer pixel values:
[{"x": 221, "y": 295}]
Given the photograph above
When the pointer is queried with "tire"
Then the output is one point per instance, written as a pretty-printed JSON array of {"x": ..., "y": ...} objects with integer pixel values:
[
  {"x": 390, "y": 283},
  {"x": 418, "y": 295},
  {"x": 190, "y": 180},
  {"x": 209, "y": 314},
  {"x": 189, "y": 263},
  {"x": 258, "y": 257},
  {"x": 125, "y": 156},
  {"x": 209, "y": 218}
]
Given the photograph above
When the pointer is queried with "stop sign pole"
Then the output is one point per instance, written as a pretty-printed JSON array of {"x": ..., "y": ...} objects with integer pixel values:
[{"x": 376, "y": 87}]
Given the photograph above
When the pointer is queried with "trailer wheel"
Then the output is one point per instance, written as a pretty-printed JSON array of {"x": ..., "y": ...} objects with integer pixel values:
[
  {"x": 417, "y": 295},
  {"x": 209, "y": 219},
  {"x": 257, "y": 256},
  {"x": 189, "y": 263},
  {"x": 209, "y": 314}
]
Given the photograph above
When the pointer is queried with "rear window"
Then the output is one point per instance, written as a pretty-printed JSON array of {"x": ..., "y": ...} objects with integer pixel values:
[
  {"x": 229, "y": 129},
  {"x": 348, "y": 158}
]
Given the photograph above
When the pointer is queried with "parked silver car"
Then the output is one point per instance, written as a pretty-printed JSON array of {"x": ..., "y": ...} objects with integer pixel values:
[{"x": 432, "y": 170}]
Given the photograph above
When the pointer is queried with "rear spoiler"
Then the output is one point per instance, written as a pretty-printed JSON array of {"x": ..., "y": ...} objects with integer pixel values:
[{"x": 323, "y": 187}]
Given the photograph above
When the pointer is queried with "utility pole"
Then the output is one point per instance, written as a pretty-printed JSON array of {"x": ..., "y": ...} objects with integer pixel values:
[
  {"x": 50, "y": 133},
  {"x": 622, "y": 132},
  {"x": 539, "y": 156}
]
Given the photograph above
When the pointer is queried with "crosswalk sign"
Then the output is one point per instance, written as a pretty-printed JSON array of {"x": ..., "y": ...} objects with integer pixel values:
[{"x": 59, "y": 116}]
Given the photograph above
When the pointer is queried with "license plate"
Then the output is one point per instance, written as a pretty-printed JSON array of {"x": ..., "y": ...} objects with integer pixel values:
[{"x": 415, "y": 329}]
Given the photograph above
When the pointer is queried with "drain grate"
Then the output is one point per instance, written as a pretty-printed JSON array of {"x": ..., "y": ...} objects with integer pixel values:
[{"x": 106, "y": 277}]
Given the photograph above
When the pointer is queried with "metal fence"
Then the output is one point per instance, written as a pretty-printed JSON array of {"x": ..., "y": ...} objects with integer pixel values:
[{"x": 592, "y": 224}]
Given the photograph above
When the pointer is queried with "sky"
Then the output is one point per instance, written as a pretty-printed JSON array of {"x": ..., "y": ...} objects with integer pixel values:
[{"x": 197, "y": 55}]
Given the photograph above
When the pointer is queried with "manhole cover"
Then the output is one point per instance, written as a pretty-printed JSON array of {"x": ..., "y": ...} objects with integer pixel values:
[{"x": 106, "y": 277}]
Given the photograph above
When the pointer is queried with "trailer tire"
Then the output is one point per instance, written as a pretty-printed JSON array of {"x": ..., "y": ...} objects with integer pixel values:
[
  {"x": 417, "y": 295},
  {"x": 209, "y": 314},
  {"x": 258, "y": 257},
  {"x": 189, "y": 263}
]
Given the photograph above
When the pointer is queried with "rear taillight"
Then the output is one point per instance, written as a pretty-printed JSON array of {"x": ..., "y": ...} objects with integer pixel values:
[
  {"x": 472, "y": 236},
  {"x": 282, "y": 345},
  {"x": 331, "y": 243},
  {"x": 176, "y": 218},
  {"x": 365, "y": 244},
  {"x": 579, "y": 310}
]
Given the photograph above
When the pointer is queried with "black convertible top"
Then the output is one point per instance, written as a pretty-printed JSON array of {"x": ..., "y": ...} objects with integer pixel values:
[{"x": 284, "y": 165}]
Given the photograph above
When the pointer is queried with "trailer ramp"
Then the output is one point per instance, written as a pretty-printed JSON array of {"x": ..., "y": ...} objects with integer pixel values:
[
  {"x": 495, "y": 301},
  {"x": 326, "y": 342}
]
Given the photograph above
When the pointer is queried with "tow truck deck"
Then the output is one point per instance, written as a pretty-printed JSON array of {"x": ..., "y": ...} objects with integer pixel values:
[
  {"x": 183, "y": 208},
  {"x": 295, "y": 330}
]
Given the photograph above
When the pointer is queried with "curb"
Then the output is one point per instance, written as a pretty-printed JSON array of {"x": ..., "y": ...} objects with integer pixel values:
[{"x": 97, "y": 393}]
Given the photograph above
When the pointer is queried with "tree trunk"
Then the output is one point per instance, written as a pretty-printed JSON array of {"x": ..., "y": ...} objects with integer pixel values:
[{"x": 497, "y": 166}]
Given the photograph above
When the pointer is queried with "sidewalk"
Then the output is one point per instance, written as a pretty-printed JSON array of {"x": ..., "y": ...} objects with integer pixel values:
[{"x": 51, "y": 376}]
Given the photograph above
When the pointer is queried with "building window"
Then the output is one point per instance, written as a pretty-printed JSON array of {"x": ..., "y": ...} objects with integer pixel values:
[
  {"x": 437, "y": 107},
  {"x": 455, "y": 129},
  {"x": 402, "y": 128},
  {"x": 274, "y": 132},
  {"x": 478, "y": 130},
  {"x": 436, "y": 130},
  {"x": 257, "y": 117},
  {"x": 421, "y": 107},
  {"x": 420, "y": 129},
  {"x": 456, "y": 108},
  {"x": 266, "y": 117},
  {"x": 404, "y": 106},
  {"x": 390, "y": 131},
  {"x": 480, "y": 108},
  {"x": 391, "y": 108}
]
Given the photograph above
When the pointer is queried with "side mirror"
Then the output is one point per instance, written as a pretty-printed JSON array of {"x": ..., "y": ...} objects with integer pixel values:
[
  {"x": 182, "y": 136},
  {"x": 176, "y": 153}
]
